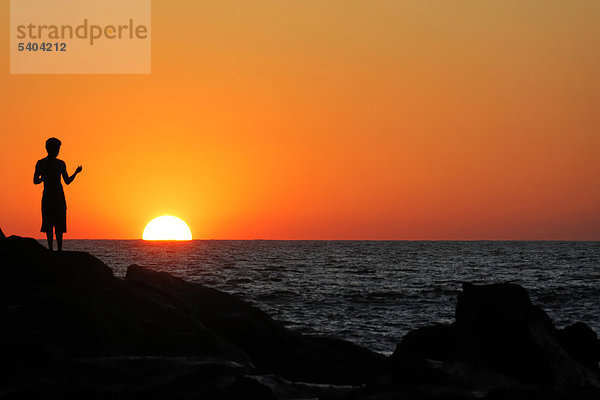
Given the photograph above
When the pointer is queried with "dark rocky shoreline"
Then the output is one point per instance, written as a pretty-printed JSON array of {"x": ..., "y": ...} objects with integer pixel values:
[{"x": 72, "y": 330}]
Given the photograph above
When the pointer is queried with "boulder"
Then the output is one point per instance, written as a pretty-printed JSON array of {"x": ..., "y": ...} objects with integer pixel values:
[
  {"x": 500, "y": 346},
  {"x": 500, "y": 329},
  {"x": 72, "y": 329},
  {"x": 581, "y": 342},
  {"x": 268, "y": 343},
  {"x": 73, "y": 300}
]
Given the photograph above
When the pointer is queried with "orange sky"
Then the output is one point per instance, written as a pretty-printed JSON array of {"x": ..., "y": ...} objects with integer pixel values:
[{"x": 329, "y": 119}]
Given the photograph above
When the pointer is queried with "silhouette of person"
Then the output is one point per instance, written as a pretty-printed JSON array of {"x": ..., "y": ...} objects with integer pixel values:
[{"x": 54, "y": 206}]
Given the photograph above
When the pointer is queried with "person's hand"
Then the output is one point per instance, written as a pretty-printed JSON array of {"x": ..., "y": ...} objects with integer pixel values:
[{"x": 78, "y": 170}]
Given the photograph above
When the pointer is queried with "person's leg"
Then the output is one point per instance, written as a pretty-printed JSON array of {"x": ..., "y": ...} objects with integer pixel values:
[
  {"x": 49, "y": 237},
  {"x": 59, "y": 236}
]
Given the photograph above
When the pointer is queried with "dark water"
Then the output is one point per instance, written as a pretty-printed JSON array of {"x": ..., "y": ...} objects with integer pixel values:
[{"x": 369, "y": 292}]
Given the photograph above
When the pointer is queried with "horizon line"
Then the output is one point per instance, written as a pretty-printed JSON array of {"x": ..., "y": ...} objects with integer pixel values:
[{"x": 340, "y": 240}]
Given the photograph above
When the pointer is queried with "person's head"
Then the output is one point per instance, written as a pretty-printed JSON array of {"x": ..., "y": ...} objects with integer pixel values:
[{"x": 53, "y": 146}]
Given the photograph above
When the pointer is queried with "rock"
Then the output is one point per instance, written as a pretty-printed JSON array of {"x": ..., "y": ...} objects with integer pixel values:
[
  {"x": 501, "y": 330},
  {"x": 269, "y": 345},
  {"x": 285, "y": 389},
  {"x": 435, "y": 342},
  {"x": 73, "y": 301},
  {"x": 71, "y": 329},
  {"x": 581, "y": 342},
  {"x": 500, "y": 347},
  {"x": 163, "y": 378},
  {"x": 2, "y": 234}
]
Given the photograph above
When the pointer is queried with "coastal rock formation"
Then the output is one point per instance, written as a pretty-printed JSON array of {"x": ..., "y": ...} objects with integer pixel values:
[
  {"x": 72, "y": 330},
  {"x": 500, "y": 347},
  {"x": 267, "y": 344}
]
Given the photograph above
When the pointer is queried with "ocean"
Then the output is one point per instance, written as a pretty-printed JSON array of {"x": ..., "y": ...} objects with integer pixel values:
[{"x": 370, "y": 292}]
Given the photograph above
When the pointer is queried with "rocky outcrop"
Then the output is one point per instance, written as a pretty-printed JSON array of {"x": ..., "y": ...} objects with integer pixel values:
[
  {"x": 581, "y": 342},
  {"x": 267, "y": 344},
  {"x": 501, "y": 346},
  {"x": 70, "y": 328}
]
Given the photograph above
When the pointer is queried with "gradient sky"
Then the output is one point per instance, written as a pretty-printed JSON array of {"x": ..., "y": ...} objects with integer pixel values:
[{"x": 332, "y": 119}]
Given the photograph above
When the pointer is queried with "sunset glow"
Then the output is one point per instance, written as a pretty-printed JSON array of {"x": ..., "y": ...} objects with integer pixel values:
[
  {"x": 167, "y": 228},
  {"x": 326, "y": 120}
]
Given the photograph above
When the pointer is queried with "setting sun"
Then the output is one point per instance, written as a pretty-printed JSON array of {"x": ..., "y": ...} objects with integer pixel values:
[{"x": 167, "y": 228}]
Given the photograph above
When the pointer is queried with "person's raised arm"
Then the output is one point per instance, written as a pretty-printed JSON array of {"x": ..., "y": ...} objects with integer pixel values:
[
  {"x": 68, "y": 179},
  {"x": 37, "y": 175}
]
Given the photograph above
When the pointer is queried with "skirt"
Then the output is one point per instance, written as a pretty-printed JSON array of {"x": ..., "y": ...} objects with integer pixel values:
[{"x": 54, "y": 212}]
